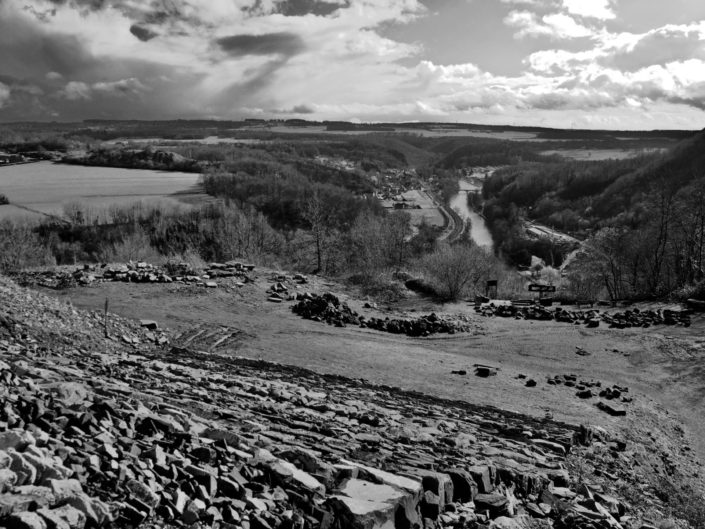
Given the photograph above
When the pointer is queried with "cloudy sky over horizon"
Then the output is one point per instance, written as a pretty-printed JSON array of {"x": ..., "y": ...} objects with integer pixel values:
[{"x": 618, "y": 64}]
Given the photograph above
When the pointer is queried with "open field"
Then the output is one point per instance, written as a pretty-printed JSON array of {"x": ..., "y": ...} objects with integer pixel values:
[
  {"x": 428, "y": 212},
  {"x": 597, "y": 154},
  {"x": 208, "y": 140},
  {"x": 45, "y": 187}
]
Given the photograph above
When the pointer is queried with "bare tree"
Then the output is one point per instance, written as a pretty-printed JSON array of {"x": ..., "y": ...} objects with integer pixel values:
[
  {"x": 456, "y": 269},
  {"x": 319, "y": 219}
]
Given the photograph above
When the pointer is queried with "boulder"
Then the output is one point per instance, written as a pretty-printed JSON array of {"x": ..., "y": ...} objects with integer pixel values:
[
  {"x": 364, "y": 505},
  {"x": 496, "y": 504},
  {"x": 26, "y": 520},
  {"x": 64, "y": 517},
  {"x": 464, "y": 486}
]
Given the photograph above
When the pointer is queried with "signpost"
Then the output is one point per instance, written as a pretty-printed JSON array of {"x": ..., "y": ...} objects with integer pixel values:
[
  {"x": 491, "y": 289},
  {"x": 535, "y": 287},
  {"x": 542, "y": 290}
]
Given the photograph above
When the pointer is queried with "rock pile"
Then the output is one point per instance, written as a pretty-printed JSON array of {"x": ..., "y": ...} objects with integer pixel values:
[
  {"x": 132, "y": 435},
  {"x": 139, "y": 272},
  {"x": 591, "y": 318},
  {"x": 279, "y": 291},
  {"x": 587, "y": 389},
  {"x": 328, "y": 308}
]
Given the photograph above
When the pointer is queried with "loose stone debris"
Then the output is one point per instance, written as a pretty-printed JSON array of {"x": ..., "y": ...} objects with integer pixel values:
[
  {"x": 135, "y": 272},
  {"x": 99, "y": 432},
  {"x": 328, "y": 308},
  {"x": 590, "y": 318}
]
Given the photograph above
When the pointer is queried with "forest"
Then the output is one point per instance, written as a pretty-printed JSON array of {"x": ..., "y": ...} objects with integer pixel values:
[{"x": 641, "y": 219}]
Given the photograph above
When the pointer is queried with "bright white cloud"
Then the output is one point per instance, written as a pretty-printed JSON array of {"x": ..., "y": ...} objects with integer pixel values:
[
  {"x": 76, "y": 90},
  {"x": 4, "y": 94},
  {"x": 554, "y": 26}
]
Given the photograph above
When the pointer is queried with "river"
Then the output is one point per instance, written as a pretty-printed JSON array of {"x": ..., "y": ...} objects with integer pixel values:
[{"x": 478, "y": 229}]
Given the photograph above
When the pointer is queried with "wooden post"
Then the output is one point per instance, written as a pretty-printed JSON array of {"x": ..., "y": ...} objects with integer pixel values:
[{"x": 105, "y": 318}]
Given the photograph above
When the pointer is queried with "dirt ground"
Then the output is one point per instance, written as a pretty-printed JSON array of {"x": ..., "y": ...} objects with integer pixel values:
[{"x": 664, "y": 368}]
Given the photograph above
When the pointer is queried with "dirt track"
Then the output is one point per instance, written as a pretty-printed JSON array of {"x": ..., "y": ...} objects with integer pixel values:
[{"x": 663, "y": 371}]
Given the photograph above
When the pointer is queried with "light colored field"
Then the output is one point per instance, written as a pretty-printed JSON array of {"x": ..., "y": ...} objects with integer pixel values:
[
  {"x": 431, "y": 216},
  {"x": 594, "y": 154},
  {"x": 209, "y": 140},
  {"x": 46, "y": 187},
  {"x": 428, "y": 212},
  {"x": 428, "y": 133},
  {"x": 10, "y": 211}
]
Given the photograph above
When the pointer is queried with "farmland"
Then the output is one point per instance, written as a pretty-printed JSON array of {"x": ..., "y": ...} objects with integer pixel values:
[{"x": 44, "y": 187}]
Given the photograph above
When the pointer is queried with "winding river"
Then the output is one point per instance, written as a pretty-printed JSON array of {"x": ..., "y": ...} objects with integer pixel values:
[{"x": 478, "y": 230}]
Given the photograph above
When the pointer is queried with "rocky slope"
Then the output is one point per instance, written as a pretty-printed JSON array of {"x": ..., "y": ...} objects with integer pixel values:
[{"x": 130, "y": 431}]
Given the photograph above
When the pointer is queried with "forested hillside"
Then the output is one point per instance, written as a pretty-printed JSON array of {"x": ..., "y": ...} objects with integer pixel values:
[{"x": 643, "y": 218}]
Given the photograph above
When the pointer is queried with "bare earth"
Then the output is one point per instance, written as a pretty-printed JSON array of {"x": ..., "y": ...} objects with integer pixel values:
[{"x": 662, "y": 367}]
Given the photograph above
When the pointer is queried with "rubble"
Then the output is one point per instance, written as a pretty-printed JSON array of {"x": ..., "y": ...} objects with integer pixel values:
[
  {"x": 328, "y": 308},
  {"x": 134, "y": 272},
  {"x": 590, "y": 318},
  {"x": 98, "y": 432}
]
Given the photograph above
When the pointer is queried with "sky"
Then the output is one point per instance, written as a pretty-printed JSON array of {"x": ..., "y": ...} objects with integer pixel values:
[{"x": 597, "y": 64}]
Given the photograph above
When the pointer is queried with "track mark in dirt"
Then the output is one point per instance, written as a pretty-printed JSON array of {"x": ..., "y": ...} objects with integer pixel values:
[{"x": 211, "y": 338}]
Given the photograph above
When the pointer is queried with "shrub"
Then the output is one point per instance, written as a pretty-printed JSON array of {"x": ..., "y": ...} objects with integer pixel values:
[
  {"x": 20, "y": 247},
  {"x": 696, "y": 291},
  {"x": 379, "y": 287},
  {"x": 4, "y": 200},
  {"x": 420, "y": 286},
  {"x": 457, "y": 270}
]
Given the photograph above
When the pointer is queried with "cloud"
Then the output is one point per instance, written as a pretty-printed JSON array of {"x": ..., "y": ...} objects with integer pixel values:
[
  {"x": 228, "y": 58},
  {"x": 554, "y": 26},
  {"x": 295, "y": 8},
  {"x": 281, "y": 43},
  {"x": 524, "y": 2},
  {"x": 658, "y": 46},
  {"x": 600, "y": 9},
  {"x": 79, "y": 90},
  {"x": 76, "y": 90},
  {"x": 142, "y": 33},
  {"x": 120, "y": 88},
  {"x": 4, "y": 94}
]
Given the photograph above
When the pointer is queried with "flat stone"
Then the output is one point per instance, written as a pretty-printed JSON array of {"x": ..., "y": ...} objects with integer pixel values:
[
  {"x": 611, "y": 408},
  {"x": 26, "y": 520},
  {"x": 365, "y": 505},
  {"x": 7, "y": 479},
  {"x": 63, "y": 488},
  {"x": 407, "y": 484},
  {"x": 496, "y": 504},
  {"x": 16, "y": 439},
  {"x": 64, "y": 516},
  {"x": 143, "y": 493}
]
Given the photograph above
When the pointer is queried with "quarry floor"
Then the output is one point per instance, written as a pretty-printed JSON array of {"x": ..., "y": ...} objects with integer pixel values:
[{"x": 663, "y": 367}]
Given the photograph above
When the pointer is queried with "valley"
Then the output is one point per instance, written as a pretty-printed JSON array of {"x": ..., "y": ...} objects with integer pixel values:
[{"x": 411, "y": 398}]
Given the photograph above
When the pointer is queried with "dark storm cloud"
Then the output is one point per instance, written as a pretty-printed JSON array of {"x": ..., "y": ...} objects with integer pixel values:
[
  {"x": 83, "y": 5},
  {"x": 39, "y": 69},
  {"x": 25, "y": 50},
  {"x": 297, "y": 8},
  {"x": 279, "y": 46},
  {"x": 302, "y": 109},
  {"x": 142, "y": 33},
  {"x": 283, "y": 43}
]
